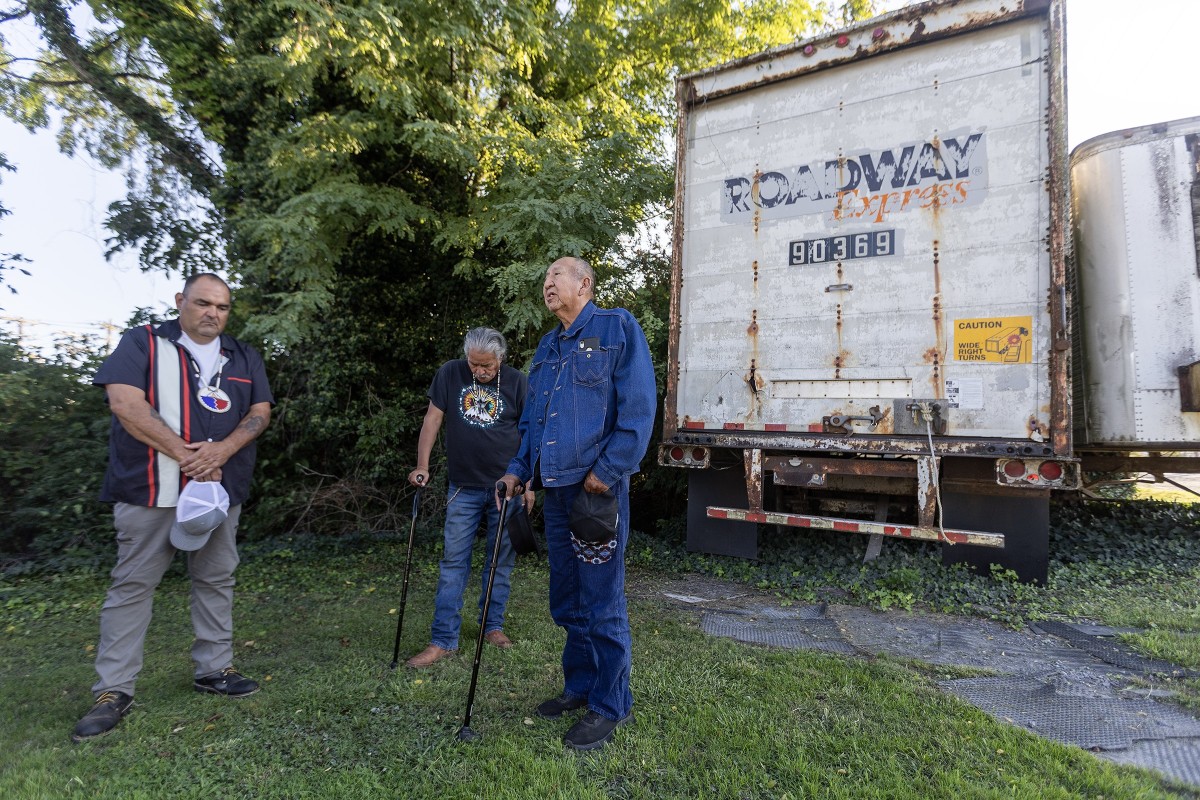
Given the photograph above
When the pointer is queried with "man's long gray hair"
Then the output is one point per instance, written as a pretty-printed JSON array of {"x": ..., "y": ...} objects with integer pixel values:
[{"x": 485, "y": 340}]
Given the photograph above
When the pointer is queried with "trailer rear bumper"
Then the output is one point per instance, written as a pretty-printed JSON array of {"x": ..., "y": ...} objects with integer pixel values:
[{"x": 933, "y": 534}]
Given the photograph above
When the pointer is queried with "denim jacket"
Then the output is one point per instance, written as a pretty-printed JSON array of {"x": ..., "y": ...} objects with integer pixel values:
[{"x": 591, "y": 401}]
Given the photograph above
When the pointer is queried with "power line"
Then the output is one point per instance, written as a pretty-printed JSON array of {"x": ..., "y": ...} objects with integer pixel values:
[{"x": 108, "y": 329}]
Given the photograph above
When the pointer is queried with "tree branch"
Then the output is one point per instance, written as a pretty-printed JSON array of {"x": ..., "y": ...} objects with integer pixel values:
[
  {"x": 116, "y": 75},
  {"x": 9, "y": 16},
  {"x": 180, "y": 152}
]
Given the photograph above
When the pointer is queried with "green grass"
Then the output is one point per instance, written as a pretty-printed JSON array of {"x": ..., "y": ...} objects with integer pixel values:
[{"x": 715, "y": 718}]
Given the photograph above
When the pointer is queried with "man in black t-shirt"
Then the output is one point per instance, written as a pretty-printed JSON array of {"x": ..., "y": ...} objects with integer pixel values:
[{"x": 480, "y": 400}]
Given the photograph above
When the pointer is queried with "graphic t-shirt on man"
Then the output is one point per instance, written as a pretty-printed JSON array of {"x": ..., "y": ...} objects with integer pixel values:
[{"x": 480, "y": 421}]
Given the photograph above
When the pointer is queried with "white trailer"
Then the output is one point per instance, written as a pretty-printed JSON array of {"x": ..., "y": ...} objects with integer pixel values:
[
  {"x": 1135, "y": 214},
  {"x": 870, "y": 278},
  {"x": 877, "y": 322}
]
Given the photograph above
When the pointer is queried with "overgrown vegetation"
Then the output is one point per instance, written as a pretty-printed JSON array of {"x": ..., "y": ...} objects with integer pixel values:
[
  {"x": 378, "y": 177},
  {"x": 53, "y": 434},
  {"x": 1103, "y": 555},
  {"x": 315, "y": 620},
  {"x": 1132, "y": 564}
]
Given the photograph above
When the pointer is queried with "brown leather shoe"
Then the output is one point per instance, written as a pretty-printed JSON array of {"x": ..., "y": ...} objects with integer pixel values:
[
  {"x": 428, "y": 656},
  {"x": 497, "y": 639}
]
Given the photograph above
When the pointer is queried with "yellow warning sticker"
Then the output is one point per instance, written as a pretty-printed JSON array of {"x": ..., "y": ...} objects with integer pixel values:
[{"x": 995, "y": 340}]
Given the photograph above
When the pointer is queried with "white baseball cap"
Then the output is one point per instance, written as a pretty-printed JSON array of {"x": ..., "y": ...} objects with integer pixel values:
[{"x": 203, "y": 506}]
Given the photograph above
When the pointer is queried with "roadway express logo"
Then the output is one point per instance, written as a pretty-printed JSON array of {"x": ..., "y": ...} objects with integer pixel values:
[{"x": 866, "y": 186}]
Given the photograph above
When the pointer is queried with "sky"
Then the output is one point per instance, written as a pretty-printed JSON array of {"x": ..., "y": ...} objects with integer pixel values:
[{"x": 1127, "y": 65}]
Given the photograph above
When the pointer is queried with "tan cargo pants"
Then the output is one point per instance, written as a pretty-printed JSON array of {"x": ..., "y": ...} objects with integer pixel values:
[{"x": 144, "y": 552}]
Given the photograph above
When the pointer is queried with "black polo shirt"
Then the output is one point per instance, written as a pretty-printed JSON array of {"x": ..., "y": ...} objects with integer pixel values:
[{"x": 151, "y": 359}]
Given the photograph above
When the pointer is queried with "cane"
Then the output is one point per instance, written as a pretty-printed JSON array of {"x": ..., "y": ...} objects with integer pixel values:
[
  {"x": 465, "y": 734},
  {"x": 407, "y": 567}
]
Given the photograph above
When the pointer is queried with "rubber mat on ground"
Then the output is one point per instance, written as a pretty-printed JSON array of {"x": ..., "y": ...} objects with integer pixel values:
[
  {"x": 958, "y": 641},
  {"x": 1075, "y": 709},
  {"x": 779, "y": 629},
  {"x": 1111, "y": 652},
  {"x": 1175, "y": 758}
]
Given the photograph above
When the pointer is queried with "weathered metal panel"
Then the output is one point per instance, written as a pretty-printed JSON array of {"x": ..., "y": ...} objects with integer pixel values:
[
  {"x": 870, "y": 222},
  {"x": 1135, "y": 241},
  {"x": 917, "y": 24}
]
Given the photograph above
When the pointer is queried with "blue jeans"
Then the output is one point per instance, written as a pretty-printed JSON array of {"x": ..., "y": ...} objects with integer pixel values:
[
  {"x": 465, "y": 506},
  {"x": 587, "y": 599}
]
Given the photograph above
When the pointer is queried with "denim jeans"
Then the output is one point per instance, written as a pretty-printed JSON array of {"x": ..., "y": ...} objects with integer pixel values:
[
  {"x": 587, "y": 599},
  {"x": 465, "y": 506}
]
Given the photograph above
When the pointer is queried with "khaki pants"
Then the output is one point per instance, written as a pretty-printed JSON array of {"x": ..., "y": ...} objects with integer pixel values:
[{"x": 144, "y": 552}]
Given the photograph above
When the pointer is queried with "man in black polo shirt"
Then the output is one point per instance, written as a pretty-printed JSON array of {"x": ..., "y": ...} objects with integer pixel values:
[{"x": 187, "y": 404}]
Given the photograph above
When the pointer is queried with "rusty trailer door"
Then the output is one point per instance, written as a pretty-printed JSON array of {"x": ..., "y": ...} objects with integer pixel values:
[{"x": 869, "y": 221}]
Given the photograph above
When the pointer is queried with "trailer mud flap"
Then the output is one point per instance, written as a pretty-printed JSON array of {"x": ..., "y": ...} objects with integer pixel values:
[
  {"x": 718, "y": 536},
  {"x": 1025, "y": 522}
]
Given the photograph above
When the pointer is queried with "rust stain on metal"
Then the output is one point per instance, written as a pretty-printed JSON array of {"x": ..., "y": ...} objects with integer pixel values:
[
  {"x": 937, "y": 355},
  {"x": 755, "y": 383},
  {"x": 686, "y": 95},
  {"x": 753, "y": 459},
  {"x": 937, "y": 269},
  {"x": 788, "y": 467},
  {"x": 906, "y": 27},
  {"x": 926, "y": 492},
  {"x": 755, "y": 274},
  {"x": 838, "y": 360},
  {"x": 1058, "y": 178}
]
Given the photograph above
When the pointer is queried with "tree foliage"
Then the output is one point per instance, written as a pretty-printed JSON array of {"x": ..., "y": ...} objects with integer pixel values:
[
  {"x": 53, "y": 429},
  {"x": 380, "y": 176},
  {"x": 9, "y": 261}
]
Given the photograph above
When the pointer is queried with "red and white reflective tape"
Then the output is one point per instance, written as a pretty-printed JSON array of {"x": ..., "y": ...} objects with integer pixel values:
[
  {"x": 769, "y": 427},
  {"x": 982, "y": 538}
]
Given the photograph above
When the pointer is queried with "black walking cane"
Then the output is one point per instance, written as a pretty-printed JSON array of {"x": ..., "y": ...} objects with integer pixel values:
[
  {"x": 465, "y": 734},
  {"x": 407, "y": 566}
]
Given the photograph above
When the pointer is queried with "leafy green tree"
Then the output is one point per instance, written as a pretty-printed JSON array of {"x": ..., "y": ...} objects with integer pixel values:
[
  {"x": 380, "y": 175},
  {"x": 53, "y": 429},
  {"x": 9, "y": 261}
]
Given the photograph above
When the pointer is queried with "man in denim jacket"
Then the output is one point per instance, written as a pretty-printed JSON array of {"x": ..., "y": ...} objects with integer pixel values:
[{"x": 585, "y": 427}]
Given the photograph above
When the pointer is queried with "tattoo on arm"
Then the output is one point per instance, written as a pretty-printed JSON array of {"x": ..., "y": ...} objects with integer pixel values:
[
  {"x": 154, "y": 415},
  {"x": 252, "y": 425}
]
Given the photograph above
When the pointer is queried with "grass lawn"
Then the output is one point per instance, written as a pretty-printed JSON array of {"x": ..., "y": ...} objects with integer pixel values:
[{"x": 315, "y": 622}]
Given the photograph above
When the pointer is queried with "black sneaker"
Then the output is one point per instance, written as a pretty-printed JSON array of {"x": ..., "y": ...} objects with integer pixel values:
[
  {"x": 103, "y": 717},
  {"x": 228, "y": 682},
  {"x": 593, "y": 731},
  {"x": 557, "y": 706}
]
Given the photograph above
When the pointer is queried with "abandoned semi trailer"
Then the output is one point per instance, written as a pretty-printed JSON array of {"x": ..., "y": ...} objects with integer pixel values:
[
  {"x": 1135, "y": 197},
  {"x": 873, "y": 294},
  {"x": 869, "y": 321}
]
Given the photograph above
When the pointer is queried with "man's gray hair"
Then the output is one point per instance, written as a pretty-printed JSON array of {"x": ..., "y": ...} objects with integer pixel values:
[
  {"x": 583, "y": 269},
  {"x": 485, "y": 340}
]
